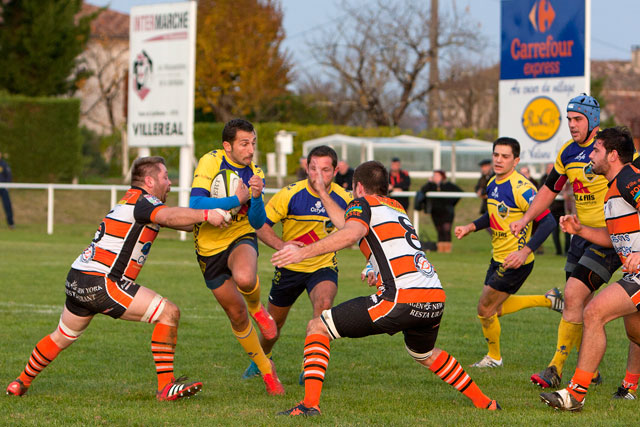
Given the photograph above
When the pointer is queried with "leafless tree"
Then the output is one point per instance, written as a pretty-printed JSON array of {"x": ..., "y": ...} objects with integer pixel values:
[{"x": 380, "y": 53}]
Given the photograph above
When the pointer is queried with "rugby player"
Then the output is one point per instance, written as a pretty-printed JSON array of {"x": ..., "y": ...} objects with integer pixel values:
[
  {"x": 102, "y": 279},
  {"x": 410, "y": 298},
  {"x": 309, "y": 210},
  {"x": 612, "y": 152},
  {"x": 509, "y": 195},
  {"x": 588, "y": 265},
  {"x": 228, "y": 258}
]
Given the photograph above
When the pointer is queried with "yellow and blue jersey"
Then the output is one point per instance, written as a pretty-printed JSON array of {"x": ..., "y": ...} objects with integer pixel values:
[
  {"x": 305, "y": 219},
  {"x": 589, "y": 189},
  {"x": 210, "y": 240},
  {"x": 507, "y": 201}
]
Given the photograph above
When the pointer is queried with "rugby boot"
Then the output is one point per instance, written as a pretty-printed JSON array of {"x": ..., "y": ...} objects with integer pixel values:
[
  {"x": 562, "y": 400},
  {"x": 272, "y": 383},
  {"x": 547, "y": 378},
  {"x": 625, "y": 393},
  {"x": 265, "y": 322},
  {"x": 251, "y": 371},
  {"x": 494, "y": 406},
  {"x": 16, "y": 388},
  {"x": 301, "y": 410},
  {"x": 597, "y": 380},
  {"x": 177, "y": 389},
  {"x": 557, "y": 301},
  {"x": 487, "y": 362}
]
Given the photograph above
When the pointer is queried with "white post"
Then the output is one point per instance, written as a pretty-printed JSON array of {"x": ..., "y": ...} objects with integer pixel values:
[
  {"x": 113, "y": 196},
  {"x": 186, "y": 175},
  {"x": 50, "y": 203},
  {"x": 416, "y": 222}
]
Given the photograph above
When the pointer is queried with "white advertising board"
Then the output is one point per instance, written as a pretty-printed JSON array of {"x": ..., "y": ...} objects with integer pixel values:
[{"x": 161, "y": 74}]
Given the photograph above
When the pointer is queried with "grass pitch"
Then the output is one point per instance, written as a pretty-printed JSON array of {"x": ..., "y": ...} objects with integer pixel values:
[{"x": 107, "y": 376}]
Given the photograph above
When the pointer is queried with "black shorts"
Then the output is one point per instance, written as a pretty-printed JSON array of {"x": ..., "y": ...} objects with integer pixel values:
[
  {"x": 419, "y": 322},
  {"x": 215, "y": 268},
  {"x": 510, "y": 280},
  {"x": 287, "y": 285},
  {"x": 585, "y": 257},
  {"x": 631, "y": 284},
  {"x": 88, "y": 294}
]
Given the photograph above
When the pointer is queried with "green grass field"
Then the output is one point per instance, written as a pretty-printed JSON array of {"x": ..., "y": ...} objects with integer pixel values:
[{"x": 107, "y": 376}]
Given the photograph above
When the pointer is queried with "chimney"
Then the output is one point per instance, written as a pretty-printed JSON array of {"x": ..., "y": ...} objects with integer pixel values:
[{"x": 635, "y": 57}]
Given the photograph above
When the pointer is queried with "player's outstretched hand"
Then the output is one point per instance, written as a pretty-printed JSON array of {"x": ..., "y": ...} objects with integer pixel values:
[
  {"x": 462, "y": 230},
  {"x": 570, "y": 224},
  {"x": 369, "y": 275},
  {"x": 517, "y": 226},
  {"x": 290, "y": 254},
  {"x": 515, "y": 259},
  {"x": 632, "y": 263},
  {"x": 219, "y": 218},
  {"x": 242, "y": 192},
  {"x": 257, "y": 185}
]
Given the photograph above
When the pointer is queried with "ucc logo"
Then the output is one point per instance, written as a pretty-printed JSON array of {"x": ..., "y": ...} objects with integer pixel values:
[
  {"x": 541, "y": 119},
  {"x": 542, "y": 15}
]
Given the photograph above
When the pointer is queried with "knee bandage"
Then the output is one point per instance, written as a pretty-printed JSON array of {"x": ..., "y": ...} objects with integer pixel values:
[
  {"x": 327, "y": 319},
  {"x": 154, "y": 310},
  {"x": 418, "y": 357},
  {"x": 67, "y": 332}
]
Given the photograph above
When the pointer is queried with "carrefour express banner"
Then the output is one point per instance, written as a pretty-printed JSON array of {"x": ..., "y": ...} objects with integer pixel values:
[{"x": 544, "y": 63}]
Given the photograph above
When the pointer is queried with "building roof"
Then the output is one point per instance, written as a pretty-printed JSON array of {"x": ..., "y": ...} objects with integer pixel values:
[{"x": 109, "y": 23}]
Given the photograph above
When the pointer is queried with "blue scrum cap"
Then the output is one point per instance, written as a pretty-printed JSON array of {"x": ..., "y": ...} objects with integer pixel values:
[{"x": 588, "y": 106}]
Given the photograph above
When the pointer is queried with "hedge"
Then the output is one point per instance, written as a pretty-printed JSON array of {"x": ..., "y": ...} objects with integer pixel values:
[{"x": 41, "y": 137}]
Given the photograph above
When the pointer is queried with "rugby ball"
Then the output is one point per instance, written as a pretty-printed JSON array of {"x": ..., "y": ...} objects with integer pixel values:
[{"x": 224, "y": 184}]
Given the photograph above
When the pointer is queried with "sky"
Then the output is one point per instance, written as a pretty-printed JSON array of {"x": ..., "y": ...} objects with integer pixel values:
[{"x": 613, "y": 24}]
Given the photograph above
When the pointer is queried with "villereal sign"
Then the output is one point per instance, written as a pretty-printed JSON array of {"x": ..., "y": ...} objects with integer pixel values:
[
  {"x": 161, "y": 74},
  {"x": 544, "y": 63}
]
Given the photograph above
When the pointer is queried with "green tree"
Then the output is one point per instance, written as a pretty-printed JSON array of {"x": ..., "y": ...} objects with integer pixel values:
[
  {"x": 239, "y": 65},
  {"x": 40, "y": 41}
]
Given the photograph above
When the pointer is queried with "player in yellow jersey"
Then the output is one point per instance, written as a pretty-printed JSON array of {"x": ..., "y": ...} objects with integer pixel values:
[
  {"x": 309, "y": 210},
  {"x": 228, "y": 257},
  {"x": 588, "y": 265},
  {"x": 509, "y": 195}
]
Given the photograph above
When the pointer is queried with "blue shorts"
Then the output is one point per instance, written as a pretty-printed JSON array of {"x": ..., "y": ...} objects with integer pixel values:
[
  {"x": 510, "y": 280},
  {"x": 585, "y": 259},
  {"x": 288, "y": 285},
  {"x": 215, "y": 268}
]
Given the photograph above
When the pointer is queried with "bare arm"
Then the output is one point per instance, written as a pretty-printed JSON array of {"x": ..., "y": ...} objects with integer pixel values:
[
  {"x": 184, "y": 218},
  {"x": 335, "y": 212},
  {"x": 343, "y": 238},
  {"x": 269, "y": 237},
  {"x": 599, "y": 236},
  {"x": 542, "y": 201}
]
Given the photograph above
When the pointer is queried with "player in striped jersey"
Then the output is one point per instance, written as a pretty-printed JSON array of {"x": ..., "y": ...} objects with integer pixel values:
[
  {"x": 509, "y": 195},
  {"x": 611, "y": 156},
  {"x": 410, "y": 298},
  {"x": 309, "y": 210},
  {"x": 588, "y": 265},
  {"x": 102, "y": 279}
]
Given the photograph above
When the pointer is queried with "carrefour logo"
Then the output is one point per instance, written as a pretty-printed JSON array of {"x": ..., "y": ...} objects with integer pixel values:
[
  {"x": 542, "y": 15},
  {"x": 541, "y": 119}
]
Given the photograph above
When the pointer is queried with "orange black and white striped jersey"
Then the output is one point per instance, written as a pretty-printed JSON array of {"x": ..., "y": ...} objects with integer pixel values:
[
  {"x": 122, "y": 242},
  {"x": 394, "y": 251},
  {"x": 621, "y": 211}
]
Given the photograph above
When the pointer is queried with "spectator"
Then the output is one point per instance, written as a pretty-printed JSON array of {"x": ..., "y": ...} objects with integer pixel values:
[
  {"x": 526, "y": 172},
  {"x": 344, "y": 177},
  {"x": 399, "y": 180},
  {"x": 442, "y": 210},
  {"x": 5, "y": 176},
  {"x": 301, "y": 172},
  {"x": 557, "y": 209},
  {"x": 486, "y": 172}
]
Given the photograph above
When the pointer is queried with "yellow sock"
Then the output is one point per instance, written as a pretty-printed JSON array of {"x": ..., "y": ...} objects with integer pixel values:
[
  {"x": 252, "y": 297},
  {"x": 518, "y": 302},
  {"x": 249, "y": 340},
  {"x": 569, "y": 336},
  {"x": 491, "y": 331}
]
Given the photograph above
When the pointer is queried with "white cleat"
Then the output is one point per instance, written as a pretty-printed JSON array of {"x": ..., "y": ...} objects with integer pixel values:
[{"x": 488, "y": 362}]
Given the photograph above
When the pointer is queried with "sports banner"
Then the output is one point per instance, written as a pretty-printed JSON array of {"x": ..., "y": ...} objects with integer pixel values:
[
  {"x": 544, "y": 62},
  {"x": 161, "y": 74}
]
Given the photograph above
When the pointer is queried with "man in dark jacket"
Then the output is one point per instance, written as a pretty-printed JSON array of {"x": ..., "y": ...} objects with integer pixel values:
[
  {"x": 5, "y": 176},
  {"x": 399, "y": 180}
]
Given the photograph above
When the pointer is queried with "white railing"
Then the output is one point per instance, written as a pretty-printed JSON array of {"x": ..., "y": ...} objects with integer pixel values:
[{"x": 114, "y": 188}]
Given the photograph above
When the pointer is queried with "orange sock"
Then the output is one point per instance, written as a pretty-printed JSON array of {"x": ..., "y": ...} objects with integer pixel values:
[
  {"x": 450, "y": 371},
  {"x": 630, "y": 381},
  {"x": 579, "y": 384},
  {"x": 316, "y": 360},
  {"x": 163, "y": 347},
  {"x": 44, "y": 352}
]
